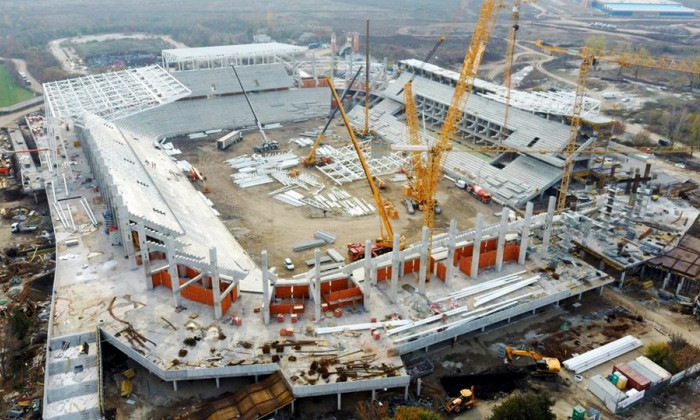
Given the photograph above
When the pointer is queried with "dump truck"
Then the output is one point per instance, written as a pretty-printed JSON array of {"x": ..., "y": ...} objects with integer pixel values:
[
  {"x": 356, "y": 251},
  {"x": 465, "y": 401}
]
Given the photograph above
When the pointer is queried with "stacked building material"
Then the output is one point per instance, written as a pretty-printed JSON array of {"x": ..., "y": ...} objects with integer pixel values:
[
  {"x": 303, "y": 246},
  {"x": 482, "y": 287},
  {"x": 328, "y": 237},
  {"x": 335, "y": 255},
  {"x": 506, "y": 290},
  {"x": 595, "y": 357}
]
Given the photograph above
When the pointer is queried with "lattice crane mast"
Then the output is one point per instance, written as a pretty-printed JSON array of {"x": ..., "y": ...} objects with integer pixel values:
[
  {"x": 508, "y": 68},
  {"x": 416, "y": 185},
  {"x": 465, "y": 84},
  {"x": 589, "y": 57},
  {"x": 385, "y": 242}
]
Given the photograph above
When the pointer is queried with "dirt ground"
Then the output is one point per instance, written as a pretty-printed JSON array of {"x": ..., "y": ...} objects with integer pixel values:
[{"x": 260, "y": 222}]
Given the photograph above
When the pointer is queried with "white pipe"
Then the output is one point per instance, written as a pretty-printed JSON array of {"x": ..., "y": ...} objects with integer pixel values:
[
  {"x": 65, "y": 184},
  {"x": 480, "y": 300},
  {"x": 60, "y": 216},
  {"x": 87, "y": 212}
]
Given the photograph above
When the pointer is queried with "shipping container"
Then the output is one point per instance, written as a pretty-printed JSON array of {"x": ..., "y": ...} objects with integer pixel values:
[
  {"x": 649, "y": 364},
  {"x": 634, "y": 379},
  {"x": 606, "y": 392},
  {"x": 654, "y": 378}
]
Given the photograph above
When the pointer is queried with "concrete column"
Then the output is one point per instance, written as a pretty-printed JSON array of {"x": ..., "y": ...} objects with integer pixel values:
[
  {"x": 175, "y": 386},
  {"x": 215, "y": 285},
  {"x": 600, "y": 290},
  {"x": 477, "y": 245},
  {"x": 339, "y": 402},
  {"x": 405, "y": 393},
  {"x": 218, "y": 383},
  {"x": 374, "y": 394},
  {"x": 317, "y": 285},
  {"x": 587, "y": 231},
  {"x": 601, "y": 265},
  {"x": 622, "y": 279},
  {"x": 451, "y": 244},
  {"x": 395, "y": 259},
  {"x": 145, "y": 261},
  {"x": 525, "y": 234},
  {"x": 548, "y": 225},
  {"x": 419, "y": 382},
  {"x": 172, "y": 271},
  {"x": 681, "y": 283},
  {"x": 502, "y": 231},
  {"x": 666, "y": 280},
  {"x": 368, "y": 259},
  {"x": 373, "y": 274},
  {"x": 367, "y": 283},
  {"x": 266, "y": 288},
  {"x": 423, "y": 270}
]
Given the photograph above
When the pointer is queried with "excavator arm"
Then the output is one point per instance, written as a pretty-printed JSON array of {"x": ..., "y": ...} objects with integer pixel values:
[
  {"x": 546, "y": 364},
  {"x": 311, "y": 158}
]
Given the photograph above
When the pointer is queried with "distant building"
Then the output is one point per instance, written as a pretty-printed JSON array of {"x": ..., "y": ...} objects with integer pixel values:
[
  {"x": 261, "y": 38},
  {"x": 643, "y": 8}
]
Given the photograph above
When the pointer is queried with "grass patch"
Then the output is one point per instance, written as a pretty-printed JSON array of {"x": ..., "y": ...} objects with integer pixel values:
[
  {"x": 119, "y": 46},
  {"x": 10, "y": 92}
]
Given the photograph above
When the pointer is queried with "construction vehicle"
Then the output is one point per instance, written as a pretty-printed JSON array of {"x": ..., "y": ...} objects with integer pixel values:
[
  {"x": 475, "y": 190},
  {"x": 311, "y": 159},
  {"x": 21, "y": 227},
  {"x": 267, "y": 144},
  {"x": 196, "y": 175},
  {"x": 465, "y": 401},
  {"x": 542, "y": 364},
  {"x": 385, "y": 242},
  {"x": 229, "y": 139}
]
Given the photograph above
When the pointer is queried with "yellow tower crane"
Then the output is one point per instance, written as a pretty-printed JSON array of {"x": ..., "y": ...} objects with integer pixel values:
[
  {"x": 589, "y": 58},
  {"x": 465, "y": 84}
]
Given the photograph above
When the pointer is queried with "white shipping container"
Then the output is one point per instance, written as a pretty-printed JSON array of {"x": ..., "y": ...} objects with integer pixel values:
[{"x": 649, "y": 364}]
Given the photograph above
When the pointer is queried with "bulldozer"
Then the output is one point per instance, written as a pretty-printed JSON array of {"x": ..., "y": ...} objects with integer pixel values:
[
  {"x": 465, "y": 401},
  {"x": 547, "y": 365}
]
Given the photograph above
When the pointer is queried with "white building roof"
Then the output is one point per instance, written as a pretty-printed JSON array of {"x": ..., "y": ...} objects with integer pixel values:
[
  {"x": 112, "y": 95},
  {"x": 274, "y": 49}
]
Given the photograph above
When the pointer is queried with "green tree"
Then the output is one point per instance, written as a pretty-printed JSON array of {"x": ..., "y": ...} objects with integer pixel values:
[
  {"x": 597, "y": 43},
  {"x": 530, "y": 406},
  {"x": 661, "y": 354}
]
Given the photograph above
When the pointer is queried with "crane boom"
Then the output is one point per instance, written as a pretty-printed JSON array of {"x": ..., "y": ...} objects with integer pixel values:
[
  {"x": 311, "y": 158},
  {"x": 465, "y": 84},
  {"x": 508, "y": 69},
  {"x": 570, "y": 148},
  {"x": 417, "y": 183},
  {"x": 387, "y": 233},
  {"x": 250, "y": 105},
  {"x": 589, "y": 58}
]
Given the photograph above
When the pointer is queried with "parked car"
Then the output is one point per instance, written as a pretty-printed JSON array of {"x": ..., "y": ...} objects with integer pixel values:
[{"x": 288, "y": 264}]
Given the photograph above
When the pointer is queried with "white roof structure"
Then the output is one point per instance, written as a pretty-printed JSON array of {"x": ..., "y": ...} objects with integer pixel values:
[
  {"x": 551, "y": 102},
  {"x": 112, "y": 95},
  {"x": 225, "y": 55}
]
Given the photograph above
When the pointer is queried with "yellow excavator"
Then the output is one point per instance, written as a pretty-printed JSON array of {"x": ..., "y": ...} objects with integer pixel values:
[
  {"x": 466, "y": 400},
  {"x": 542, "y": 364}
]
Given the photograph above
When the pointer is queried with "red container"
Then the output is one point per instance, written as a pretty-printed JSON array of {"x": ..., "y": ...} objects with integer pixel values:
[
  {"x": 324, "y": 307},
  {"x": 280, "y": 317},
  {"x": 375, "y": 335},
  {"x": 295, "y": 318},
  {"x": 237, "y": 321},
  {"x": 373, "y": 319},
  {"x": 634, "y": 379}
]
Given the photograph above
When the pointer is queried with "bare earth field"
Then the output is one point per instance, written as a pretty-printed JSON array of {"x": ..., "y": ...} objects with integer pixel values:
[{"x": 260, "y": 222}]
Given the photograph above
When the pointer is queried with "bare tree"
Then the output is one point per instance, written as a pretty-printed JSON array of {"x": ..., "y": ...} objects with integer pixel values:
[{"x": 674, "y": 121}]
